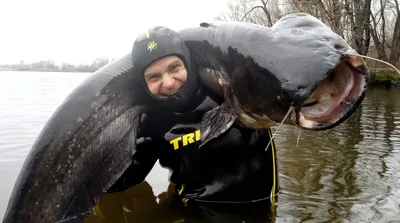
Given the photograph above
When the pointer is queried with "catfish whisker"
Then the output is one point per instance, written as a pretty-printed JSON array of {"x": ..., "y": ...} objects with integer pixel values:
[
  {"x": 378, "y": 60},
  {"x": 298, "y": 138},
  {"x": 283, "y": 120},
  {"x": 125, "y": 210}
]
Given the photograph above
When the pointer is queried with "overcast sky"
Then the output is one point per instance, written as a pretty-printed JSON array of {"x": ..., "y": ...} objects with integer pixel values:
[{"x": 78, "y": 31}]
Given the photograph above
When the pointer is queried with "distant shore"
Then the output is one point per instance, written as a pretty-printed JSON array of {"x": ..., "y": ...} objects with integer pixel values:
[
  {"x": 51, "y": 66},
  {"x": 51, "y": 70},
  {"x": 379, "y": 76}
]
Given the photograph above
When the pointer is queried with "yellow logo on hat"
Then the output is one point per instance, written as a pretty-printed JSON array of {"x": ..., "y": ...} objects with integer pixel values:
[{"x": 152, "y": 46}]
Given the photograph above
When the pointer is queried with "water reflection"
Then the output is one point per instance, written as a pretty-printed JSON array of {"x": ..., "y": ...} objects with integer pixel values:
[
  {"x": 378, "y": 163},
  {"x": 345, "y": 174},
  {"x": 139, "y": 204},
  {"x": 130, "y": 206},
  {"x": 319, "y": 177}
]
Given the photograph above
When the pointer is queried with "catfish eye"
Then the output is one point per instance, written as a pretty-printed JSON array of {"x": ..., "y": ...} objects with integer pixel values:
[{"x": 339, "y": 46}]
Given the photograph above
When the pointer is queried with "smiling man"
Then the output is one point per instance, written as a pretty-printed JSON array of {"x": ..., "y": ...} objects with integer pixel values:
[{"x": 165, "y": 76}]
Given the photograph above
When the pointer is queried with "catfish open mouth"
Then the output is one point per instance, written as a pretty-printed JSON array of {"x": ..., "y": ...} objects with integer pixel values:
[{"x": 336, "y": 97}]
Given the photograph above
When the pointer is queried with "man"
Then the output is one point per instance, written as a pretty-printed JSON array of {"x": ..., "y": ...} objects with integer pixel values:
[{"x": 234, "y": 168}]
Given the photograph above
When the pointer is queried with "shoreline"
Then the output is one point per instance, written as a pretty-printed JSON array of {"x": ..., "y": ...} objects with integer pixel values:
[
  {"x": 379, "y": 76},
  {"x": 51, "y": 70},
  {"x": 384, "y": 77}
]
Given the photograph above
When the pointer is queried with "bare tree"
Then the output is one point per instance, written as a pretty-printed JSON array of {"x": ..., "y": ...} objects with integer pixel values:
[
  {"x": 385, "y": 30},
  {"x": 262, "y": 12},
  {"x": 395, "y": 48},
  {"x": 360, "y": 22},
  {"x": 378, "y": 32},
  {"x": 263, "y": 7},
  {"x": 235, "y": 11},
  {"x": 329, "y": 11}
]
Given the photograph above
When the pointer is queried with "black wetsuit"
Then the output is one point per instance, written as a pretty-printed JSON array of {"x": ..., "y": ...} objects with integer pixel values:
[
  {"x": 231, "y": 168},
  {"x": 234, "y": 168}
]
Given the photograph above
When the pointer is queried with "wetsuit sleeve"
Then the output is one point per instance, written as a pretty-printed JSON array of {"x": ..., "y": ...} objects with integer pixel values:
[{"x": 143, "y": 161}]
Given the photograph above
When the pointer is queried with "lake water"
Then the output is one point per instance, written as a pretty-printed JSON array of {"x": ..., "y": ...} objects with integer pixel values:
[{"x": 348, "y": 174}]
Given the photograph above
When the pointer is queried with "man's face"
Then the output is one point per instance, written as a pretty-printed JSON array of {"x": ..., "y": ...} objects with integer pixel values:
[{"x": 165, "y": 76}]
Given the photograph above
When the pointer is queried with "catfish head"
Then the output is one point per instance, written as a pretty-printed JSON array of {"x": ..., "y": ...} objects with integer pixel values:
[
  {"x": 328, "y": 93},
  {"x": 303, "y": 75}
]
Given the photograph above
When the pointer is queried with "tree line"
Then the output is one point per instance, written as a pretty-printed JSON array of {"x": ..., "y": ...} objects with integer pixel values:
[
  {"x": 49, "y": 65},
  {"x": 372, "y": 27}
]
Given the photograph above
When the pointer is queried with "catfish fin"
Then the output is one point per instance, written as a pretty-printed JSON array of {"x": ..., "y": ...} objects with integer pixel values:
[{"x": 216, "y": 122}]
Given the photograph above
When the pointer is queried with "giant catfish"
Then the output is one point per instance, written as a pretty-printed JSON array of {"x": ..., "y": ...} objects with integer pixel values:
[{"x": 261, "y": 72}]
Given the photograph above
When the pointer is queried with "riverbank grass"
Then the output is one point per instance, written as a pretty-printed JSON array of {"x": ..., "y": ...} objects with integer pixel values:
[{"x": 383, "y": 76}]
